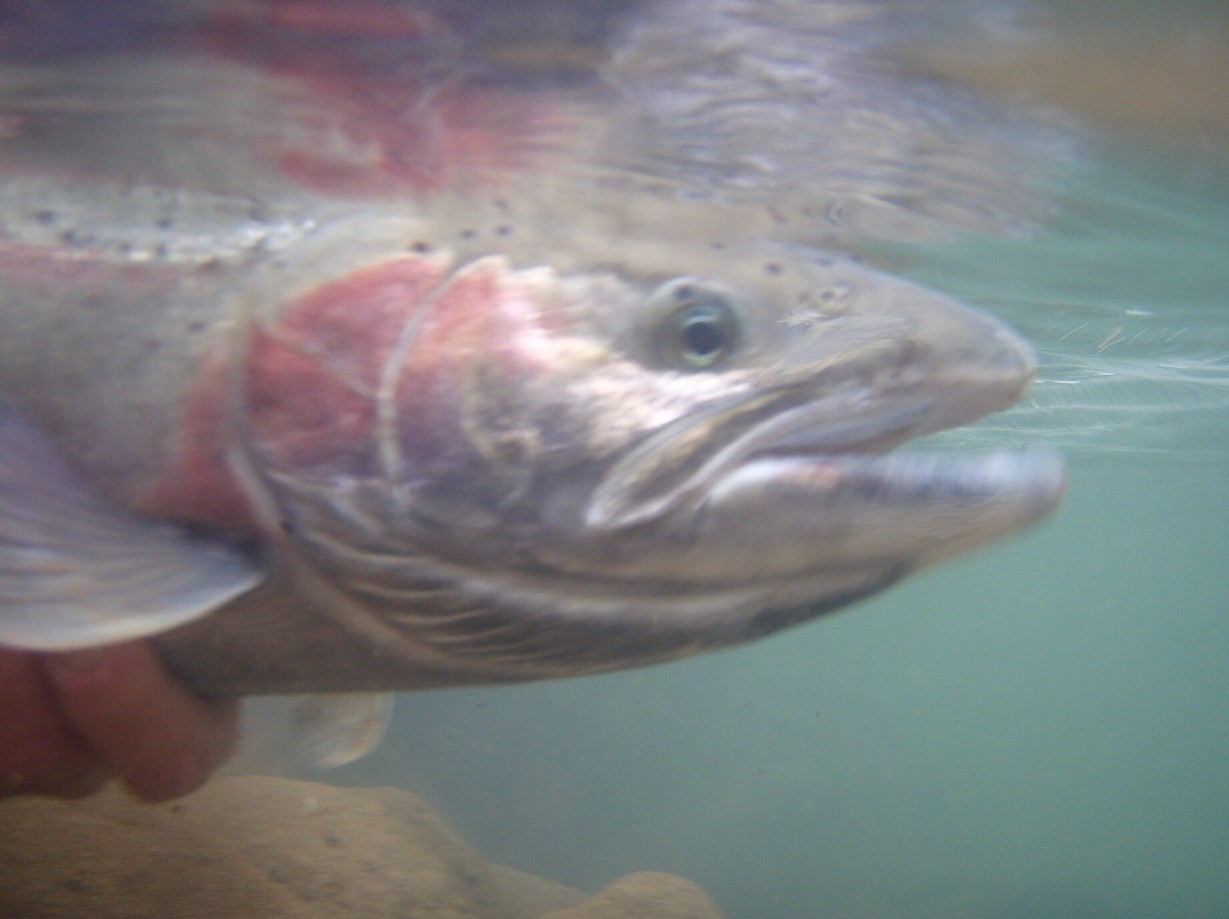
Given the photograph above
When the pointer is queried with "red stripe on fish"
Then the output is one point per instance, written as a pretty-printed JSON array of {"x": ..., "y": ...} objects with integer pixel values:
[
  {"x": 312, "y": 378},
  {"x": 453, "y": 352},
  {"x": 199, "y": 485},
  {"x": 310, "y": 386},
  {"x": 459, "y": 388}
]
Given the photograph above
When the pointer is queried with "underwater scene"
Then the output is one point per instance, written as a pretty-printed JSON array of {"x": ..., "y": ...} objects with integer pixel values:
[{"x": 1039, "y": 728}]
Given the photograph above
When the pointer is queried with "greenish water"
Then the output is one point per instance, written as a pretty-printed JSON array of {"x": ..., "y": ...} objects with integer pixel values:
[{"x": 1039, "y": 730}]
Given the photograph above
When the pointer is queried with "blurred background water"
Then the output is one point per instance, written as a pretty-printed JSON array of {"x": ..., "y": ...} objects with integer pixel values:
[{"x": 1040, "y": 730}]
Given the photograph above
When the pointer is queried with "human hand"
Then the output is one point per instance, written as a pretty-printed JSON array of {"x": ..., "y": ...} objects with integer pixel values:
[{"x": 69, "y": 722}]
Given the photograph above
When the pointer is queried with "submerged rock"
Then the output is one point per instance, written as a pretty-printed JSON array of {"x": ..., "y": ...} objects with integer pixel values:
[
  {"x": 256, "y": 846},
  {"x": 644, "y": 894}
]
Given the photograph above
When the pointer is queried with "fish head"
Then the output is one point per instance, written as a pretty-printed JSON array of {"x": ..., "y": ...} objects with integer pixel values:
[{"x": 512, "y": 471}]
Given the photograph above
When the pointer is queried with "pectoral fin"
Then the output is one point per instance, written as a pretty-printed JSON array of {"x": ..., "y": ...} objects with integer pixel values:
[
  {"x": 332, "y": 730},
  {"x": 76, "y": 571}
]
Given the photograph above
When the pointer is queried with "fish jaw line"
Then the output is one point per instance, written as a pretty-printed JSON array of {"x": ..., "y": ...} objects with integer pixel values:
[
  {"x": 844, "y": 495},
  {"x": 909, "y": 508},
  {"x": 834, "y": 434}
]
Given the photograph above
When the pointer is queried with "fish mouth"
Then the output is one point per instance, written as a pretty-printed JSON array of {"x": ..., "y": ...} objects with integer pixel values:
[
  {"x": 792, "y": 470},
  {"x": 843, "y": 431}
]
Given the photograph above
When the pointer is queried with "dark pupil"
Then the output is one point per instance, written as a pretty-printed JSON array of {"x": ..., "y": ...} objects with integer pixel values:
[{"x": 701, "y": 336}]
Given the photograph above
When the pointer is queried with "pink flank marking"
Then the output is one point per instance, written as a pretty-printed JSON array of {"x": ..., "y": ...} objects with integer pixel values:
[
  {"x": 311, "y": 383},
  {"x": 312, "y": 378},
  {"x": 198, "y": 485},
  {"x": 467, "y": 343}
]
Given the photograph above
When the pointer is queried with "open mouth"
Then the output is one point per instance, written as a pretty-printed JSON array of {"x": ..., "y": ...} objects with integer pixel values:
[
  {"x": 857, "y": 452},
  {"x": 836, "y": 449},
  {"x": 853, "y": 458},
  {"x": 1032, "y": 479}
]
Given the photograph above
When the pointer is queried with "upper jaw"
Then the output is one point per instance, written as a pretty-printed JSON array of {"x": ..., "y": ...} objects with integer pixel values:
[
  {"x": 793, "y": 500},
  {"x": 685, "y": 462}
]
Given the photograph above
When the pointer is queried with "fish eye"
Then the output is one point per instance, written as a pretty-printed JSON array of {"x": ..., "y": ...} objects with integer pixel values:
[{"x": 699, "y": 326}]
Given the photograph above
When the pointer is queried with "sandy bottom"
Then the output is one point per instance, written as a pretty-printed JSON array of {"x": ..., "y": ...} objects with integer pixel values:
[{"x": 267, "y": 847}]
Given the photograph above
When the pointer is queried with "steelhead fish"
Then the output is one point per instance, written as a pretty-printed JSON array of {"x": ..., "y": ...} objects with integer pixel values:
[{"x": 464, "y": 430}]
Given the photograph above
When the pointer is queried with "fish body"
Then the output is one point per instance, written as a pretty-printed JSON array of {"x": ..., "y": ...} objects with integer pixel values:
[{"x": 312, "y": 440}]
